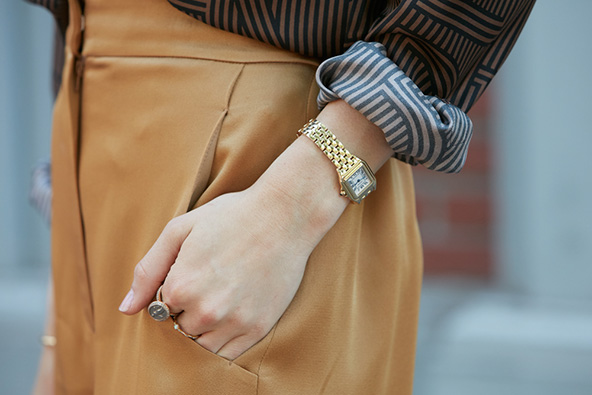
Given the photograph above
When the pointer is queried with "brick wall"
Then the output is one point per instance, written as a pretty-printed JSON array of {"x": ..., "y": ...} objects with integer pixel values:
[{"x": 454, "y": 210}]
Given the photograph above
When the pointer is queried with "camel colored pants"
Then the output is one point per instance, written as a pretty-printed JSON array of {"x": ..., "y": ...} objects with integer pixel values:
[{"x": 158, "y": 114}]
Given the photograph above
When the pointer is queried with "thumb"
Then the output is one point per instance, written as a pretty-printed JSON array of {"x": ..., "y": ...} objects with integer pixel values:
[{"x": 151, "y": 271}]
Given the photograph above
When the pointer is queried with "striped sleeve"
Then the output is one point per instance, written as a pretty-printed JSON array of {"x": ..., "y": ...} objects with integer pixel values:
[
  {"x": 419, "y": 128},
  {"x": 40, "y": 192},
  {"x": 417, "y": 59}
]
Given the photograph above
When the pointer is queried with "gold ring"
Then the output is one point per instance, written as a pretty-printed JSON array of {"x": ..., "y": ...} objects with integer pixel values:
[
  {"x": 158, "y": 309},
  {"x": 178, "y": 329}
]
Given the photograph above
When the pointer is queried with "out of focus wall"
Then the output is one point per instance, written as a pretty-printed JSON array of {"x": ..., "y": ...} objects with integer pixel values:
[
  {"x": 25, "y": 117},
  {"x": 543, "y": 184},
  {"x": 455, "y": 211},
  {"x": 528, "y": 328}
]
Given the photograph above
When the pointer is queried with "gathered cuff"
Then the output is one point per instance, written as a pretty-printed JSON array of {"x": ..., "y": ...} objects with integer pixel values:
[{"x": 420, "y": 129}]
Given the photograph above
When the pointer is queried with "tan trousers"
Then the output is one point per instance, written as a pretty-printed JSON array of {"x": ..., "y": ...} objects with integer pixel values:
[{"x": 158, "y": 114}]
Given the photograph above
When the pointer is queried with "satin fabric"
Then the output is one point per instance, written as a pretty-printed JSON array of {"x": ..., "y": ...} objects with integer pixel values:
[{"x": 158, "y": 114}]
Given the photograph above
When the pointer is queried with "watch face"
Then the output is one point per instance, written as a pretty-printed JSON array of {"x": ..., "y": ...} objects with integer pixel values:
[{"x": 359, "y": 181}]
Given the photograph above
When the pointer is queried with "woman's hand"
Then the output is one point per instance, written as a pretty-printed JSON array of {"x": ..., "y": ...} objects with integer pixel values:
[{"x": 232, "y": 266}]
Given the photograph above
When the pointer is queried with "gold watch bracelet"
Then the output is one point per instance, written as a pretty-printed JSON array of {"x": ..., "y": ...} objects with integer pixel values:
[{"x": 330, "y": 145}]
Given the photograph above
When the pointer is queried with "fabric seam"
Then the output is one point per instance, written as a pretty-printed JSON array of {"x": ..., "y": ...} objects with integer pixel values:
[{"x": 312, "y": 63}]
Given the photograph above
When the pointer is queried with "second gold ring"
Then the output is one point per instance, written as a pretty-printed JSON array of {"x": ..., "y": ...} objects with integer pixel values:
[{"x": 178, "y": 328}]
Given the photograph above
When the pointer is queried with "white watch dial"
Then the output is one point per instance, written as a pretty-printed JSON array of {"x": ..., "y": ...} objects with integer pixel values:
[{"x": 359, "y": 181}]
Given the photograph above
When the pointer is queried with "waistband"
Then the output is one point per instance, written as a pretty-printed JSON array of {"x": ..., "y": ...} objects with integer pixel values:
[{"x": 153, "y": 28}]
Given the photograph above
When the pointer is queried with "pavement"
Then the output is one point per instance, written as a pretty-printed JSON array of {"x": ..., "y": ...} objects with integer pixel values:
[
  {"x": 473, "y": 339},
  {"x": 20, "y": 329}
]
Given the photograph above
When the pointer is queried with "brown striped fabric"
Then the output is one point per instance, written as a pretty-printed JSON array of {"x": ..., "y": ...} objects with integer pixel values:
[
  {"x": 396, "y": 53},
  {"x": 413, "y": 67},
  {"x": 449, "y": 48},
  {"x": 310, "y": 27}
]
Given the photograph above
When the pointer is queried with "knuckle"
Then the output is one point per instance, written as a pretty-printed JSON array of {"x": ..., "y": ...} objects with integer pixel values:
[
  {"x": 173, "y": 294},
  {"x": 259, "y": 330},
  {"x": 210, "y": 316},
  {"x": 141, "y": 271},
  {"x": 173, "y": 225},
  {"x": 209, "y": 319}
]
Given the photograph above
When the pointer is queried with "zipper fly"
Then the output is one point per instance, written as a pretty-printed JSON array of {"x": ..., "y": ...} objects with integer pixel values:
[{"x": 78, "y": 71}]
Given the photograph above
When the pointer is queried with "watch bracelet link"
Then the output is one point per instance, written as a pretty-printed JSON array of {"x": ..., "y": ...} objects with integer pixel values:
[
  {"x": 355, "y": 176},
  {"x": 330, "y": 145}
]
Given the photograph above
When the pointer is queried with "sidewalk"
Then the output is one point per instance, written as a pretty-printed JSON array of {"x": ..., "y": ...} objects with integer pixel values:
[
  {"x": 475, "y": 339},
  {"x": 472, "y": 340},
  {"x": 22, "y": 318}
]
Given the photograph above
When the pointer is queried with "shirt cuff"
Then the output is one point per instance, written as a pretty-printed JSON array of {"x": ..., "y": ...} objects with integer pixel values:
[{"x": 419, "y": 128}]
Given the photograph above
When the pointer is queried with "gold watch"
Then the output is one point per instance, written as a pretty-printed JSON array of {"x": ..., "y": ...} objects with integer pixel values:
[{"x": 355, "y": 176}]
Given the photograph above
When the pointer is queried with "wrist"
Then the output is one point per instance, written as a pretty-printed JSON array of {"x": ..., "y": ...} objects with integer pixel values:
[
  {"x": 355, "y": 176},
  {"x": 358, "y": 134},
  {"x": 304, "y": 183}
]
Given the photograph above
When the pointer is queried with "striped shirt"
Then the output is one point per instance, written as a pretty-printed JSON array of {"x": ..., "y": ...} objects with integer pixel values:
[{"x": 413, "y": 67}]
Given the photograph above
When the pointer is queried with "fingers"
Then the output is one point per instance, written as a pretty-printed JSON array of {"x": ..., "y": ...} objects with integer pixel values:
[
  {"x": 151, "y": 271},
  {"x": 234, "y": 348},
  {"x": 170, "y": 302},
  {"x": 227, "y": 336},
  {"x": 198, "y": 321},
  {"x": 213, "y": 341},
  {"x": 225, "y": 341}
]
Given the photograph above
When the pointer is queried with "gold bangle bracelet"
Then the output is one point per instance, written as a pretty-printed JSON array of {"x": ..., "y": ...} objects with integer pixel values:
[{"x": 48, "y": 341}]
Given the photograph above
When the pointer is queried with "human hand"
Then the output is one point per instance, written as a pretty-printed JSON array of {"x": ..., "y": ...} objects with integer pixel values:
[{"x": 230, "y": 267}]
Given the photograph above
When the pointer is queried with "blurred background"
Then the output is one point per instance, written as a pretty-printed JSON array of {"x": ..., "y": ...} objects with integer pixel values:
[{"x": 507, "y": 299}]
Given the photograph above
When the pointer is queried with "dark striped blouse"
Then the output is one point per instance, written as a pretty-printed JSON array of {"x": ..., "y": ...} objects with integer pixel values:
[{"x": 413, "y": 67}]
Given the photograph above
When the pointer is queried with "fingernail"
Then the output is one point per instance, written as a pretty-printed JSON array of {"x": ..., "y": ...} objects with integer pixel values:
[{"x": 127, "y": 301}]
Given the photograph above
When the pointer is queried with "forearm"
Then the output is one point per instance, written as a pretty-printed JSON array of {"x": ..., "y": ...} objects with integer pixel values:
[
  {"x": 303, "y": 174},
  {"x": 274, "y": 226},
  {"x": 361, "y": 137}
]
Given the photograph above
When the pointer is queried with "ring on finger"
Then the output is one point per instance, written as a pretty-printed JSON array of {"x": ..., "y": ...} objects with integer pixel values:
[
  {"x": 158, "y": 309},
  {"x": 178, "y": 329}
]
